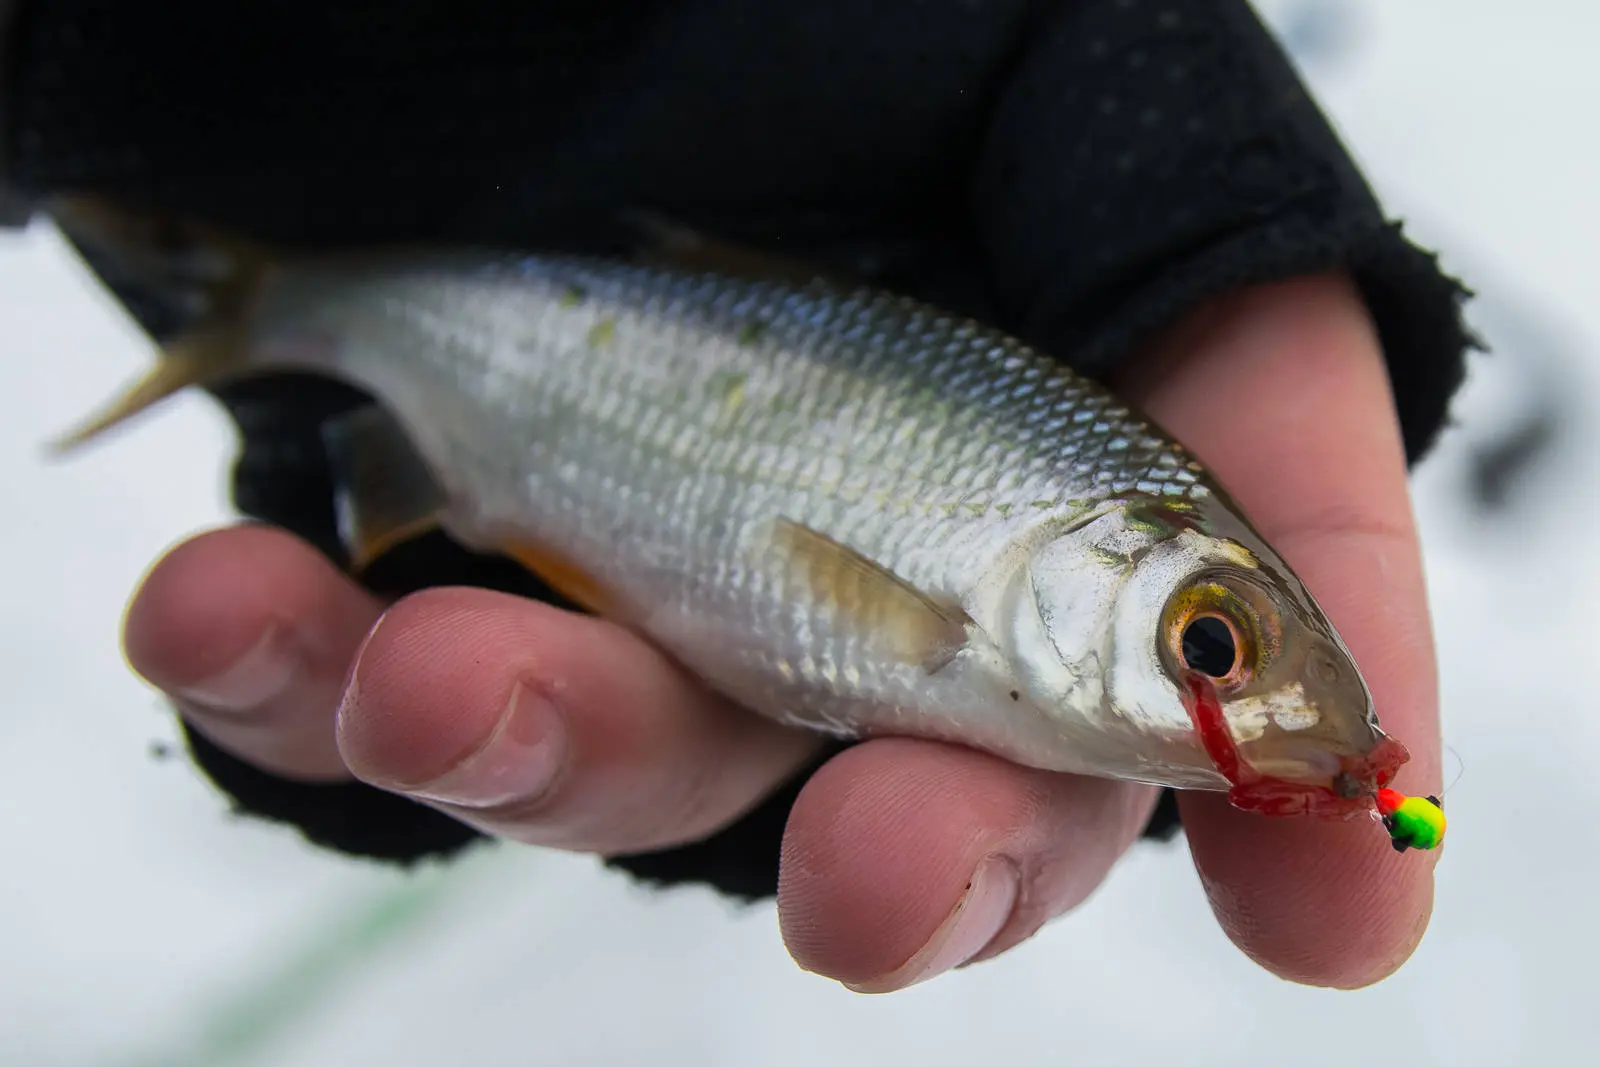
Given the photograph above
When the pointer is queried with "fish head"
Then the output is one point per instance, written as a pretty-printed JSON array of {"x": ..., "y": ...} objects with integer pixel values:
[{"x": 1196, "y": 601}]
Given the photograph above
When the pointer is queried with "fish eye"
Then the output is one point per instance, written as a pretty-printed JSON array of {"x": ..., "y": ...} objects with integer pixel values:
[
  {"x": 1210, "y": 647},
  {"x": 1222, "y": 629}
]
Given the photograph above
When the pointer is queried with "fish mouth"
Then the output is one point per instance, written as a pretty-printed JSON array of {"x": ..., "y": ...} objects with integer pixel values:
[
  {"x": 1350, "y": 793},
  {"x": 1344, "y": 787}
]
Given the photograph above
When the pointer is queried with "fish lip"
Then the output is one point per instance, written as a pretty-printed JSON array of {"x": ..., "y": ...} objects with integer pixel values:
[
  {"x": 1339, "y": 793},
  {"x": 1348, "y": 794},
  {"x": 1377, "y": 767}
]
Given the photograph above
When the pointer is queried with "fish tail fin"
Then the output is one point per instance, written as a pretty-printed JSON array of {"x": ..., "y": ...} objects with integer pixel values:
[
  {"x": 195, "y": 359},
  {"x": 211, "y": 278}
]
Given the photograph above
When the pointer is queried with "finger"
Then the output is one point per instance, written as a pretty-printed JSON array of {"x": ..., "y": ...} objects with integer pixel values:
[
  {"x": 552, "y": 728},
  {"x": 905, "y": 858},
  {"x": 1284, "y": 395},
  {"x": 251, "y": 631}
]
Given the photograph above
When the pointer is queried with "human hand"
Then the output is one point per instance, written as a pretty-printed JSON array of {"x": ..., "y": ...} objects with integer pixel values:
[{"x": 564, "y": 731}]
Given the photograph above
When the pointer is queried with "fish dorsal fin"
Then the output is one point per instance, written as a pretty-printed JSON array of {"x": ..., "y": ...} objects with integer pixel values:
[
  {"x": 672, "y": 244},
  {"x": 918, "y": 627},
  {"x": 384, "y": 492}
]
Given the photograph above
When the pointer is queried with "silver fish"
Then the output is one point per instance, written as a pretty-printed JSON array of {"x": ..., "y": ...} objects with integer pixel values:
[{"x": 846, "y": 510}]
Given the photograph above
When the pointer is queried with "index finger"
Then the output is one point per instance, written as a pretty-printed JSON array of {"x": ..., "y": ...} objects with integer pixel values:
[{"x": 1284, "y": 395}]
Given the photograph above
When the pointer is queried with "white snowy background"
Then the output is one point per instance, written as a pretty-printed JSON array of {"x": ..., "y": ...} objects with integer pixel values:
[{"x": 140, "y": 926}]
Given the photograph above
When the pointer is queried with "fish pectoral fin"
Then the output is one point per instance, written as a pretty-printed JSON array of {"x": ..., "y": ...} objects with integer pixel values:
[
  {"x": 384, "y": 492},
  {"x": 919, "y": 628}
]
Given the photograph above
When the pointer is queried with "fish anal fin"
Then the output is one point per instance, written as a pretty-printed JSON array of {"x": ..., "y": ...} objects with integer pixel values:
[
  {"x": 387, "y": 495},
  {"x": 559, "y": 572},
  {"x": 384, "y": 492},
  {"x": 919, "y": 628},
  {"x": 375, "y": 543}
]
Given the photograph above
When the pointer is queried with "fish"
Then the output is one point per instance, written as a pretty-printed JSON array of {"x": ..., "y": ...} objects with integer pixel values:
[{"x": 846, "y": 510}]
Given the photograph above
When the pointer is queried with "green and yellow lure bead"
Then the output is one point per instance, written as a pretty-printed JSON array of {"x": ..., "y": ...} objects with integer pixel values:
[{"x": 1412, "y": 822}]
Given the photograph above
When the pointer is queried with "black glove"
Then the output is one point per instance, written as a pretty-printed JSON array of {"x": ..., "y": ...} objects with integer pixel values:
[{"x": 1080, "y": 174}]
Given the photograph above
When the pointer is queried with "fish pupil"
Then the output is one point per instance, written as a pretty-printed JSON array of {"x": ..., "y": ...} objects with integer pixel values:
[{"x": 1208, "y": 647}]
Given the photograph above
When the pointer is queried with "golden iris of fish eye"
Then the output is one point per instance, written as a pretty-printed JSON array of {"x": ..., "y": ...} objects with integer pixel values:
[{"x": 1213, "y": 600}]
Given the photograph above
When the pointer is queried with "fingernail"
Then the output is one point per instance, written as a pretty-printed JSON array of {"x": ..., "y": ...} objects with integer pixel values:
[
  {"x": 264, "y": 672},
  {"x": 518, "y": 763},
  {"x": 979, "y": 916}
]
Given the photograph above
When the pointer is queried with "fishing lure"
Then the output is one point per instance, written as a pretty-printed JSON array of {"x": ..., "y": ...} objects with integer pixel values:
[{"x": 1412, "y": 822}]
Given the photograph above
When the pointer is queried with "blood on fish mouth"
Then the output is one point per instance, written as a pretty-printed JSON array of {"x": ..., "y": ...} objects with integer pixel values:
[{"x": 1350, "y": 794}]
